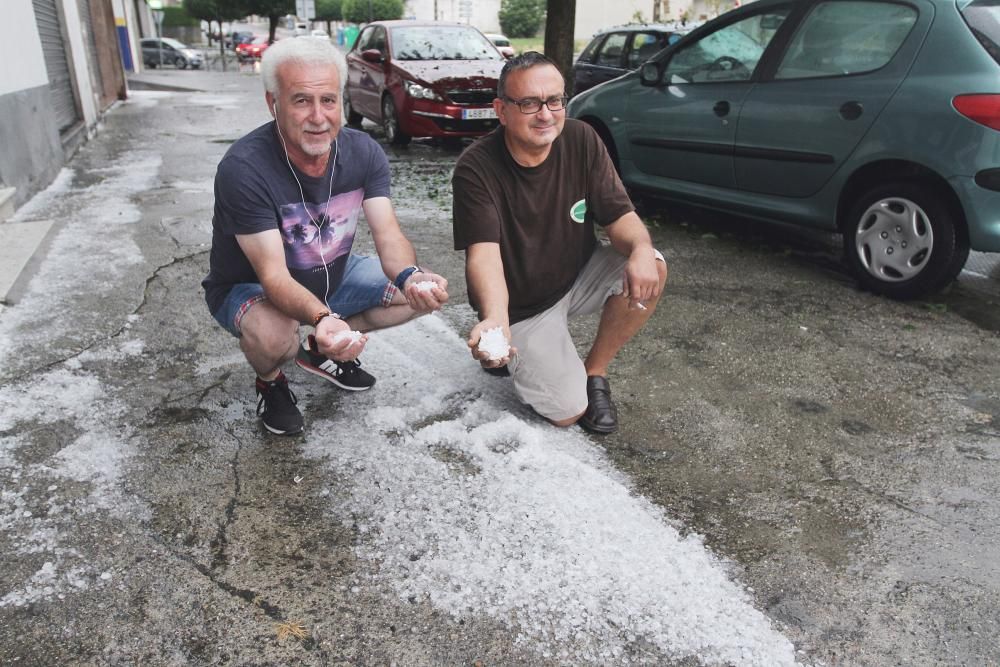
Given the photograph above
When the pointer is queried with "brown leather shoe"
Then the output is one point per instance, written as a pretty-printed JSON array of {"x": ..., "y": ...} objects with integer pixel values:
[{"x": 601, "y": 415}]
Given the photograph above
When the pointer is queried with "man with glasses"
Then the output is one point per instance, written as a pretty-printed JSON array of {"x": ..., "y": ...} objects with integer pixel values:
[{"x": 526, "y": 200}]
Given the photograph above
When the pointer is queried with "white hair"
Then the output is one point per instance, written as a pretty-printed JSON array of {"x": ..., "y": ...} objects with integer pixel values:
[{"x": 302, "y": 50}]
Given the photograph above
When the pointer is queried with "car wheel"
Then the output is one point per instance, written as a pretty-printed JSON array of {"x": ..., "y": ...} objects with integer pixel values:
[
  {"x": 353, "y": 117},
  {"x": 390, "y": 123},
  {"x": 180, "y": 62},
  {"x": 902, "y": 240}
]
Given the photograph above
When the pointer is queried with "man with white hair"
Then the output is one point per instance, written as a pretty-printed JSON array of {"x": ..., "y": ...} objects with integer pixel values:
[{"x": 288, "y": 197}]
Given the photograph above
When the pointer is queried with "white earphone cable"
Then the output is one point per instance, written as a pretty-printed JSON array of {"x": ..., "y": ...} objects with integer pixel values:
[{"x": 326, "y": 209}]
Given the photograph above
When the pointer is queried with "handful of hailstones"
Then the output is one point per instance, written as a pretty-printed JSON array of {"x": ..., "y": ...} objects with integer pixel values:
[
  {"x": 493, "y": 343},
  {"x": 425, "y": 285},
  {"x": 354, "y": 336}
]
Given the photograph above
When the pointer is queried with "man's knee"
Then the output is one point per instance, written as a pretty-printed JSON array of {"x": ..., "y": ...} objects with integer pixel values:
[
  {"x": 272, "y": 333},
  {"x": 562, "y": 423}
]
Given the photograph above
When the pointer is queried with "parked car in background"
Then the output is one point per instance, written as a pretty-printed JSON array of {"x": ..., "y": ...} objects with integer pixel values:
[
  {"x": 319, "y": 33},
  {"x": 252, "y": 49},
  {"x": 502, "y": 43},
  {"x": 237, "y": 37},
  {"x": 615, "y": 51},
  {"x": 423, "y": 79},
  {"x": 873, "y": 118},
  {"x": 169, "y": 51},
  {"x": 300, "y": 29}
]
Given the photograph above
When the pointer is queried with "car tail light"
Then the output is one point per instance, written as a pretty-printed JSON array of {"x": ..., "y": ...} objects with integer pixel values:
[{"x": 984, "y": 109}]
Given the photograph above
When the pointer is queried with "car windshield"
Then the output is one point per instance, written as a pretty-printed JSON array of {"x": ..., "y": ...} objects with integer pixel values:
[
  {"x": 441, "y": 43},
  {"x": 499, "y": 41},
  {"x": 170, "y": 41},
  {"x": 983, "y": 17}
]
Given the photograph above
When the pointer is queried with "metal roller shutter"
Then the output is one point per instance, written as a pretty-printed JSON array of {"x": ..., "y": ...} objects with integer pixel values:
[{"x": 56, "y": 63}]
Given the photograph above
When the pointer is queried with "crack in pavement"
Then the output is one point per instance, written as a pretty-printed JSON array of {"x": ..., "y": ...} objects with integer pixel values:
[
  {"x": 202, "y": 393},
  {"x": 110, "y": 336},
  {"x": 221, "y": 542}
]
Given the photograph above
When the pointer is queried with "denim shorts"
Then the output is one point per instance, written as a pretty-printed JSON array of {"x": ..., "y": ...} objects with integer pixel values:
[{"x": 363, "y": 287}]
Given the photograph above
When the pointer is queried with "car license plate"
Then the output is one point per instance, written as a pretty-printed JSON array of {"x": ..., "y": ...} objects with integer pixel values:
[{"x": 478, "y": 114}]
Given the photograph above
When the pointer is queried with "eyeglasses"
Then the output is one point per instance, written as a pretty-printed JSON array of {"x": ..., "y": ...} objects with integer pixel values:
[{"x": 534, "y": 105}]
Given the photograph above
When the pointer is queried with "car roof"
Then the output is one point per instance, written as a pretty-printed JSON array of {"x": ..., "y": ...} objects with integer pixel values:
[
  {"x": 635, "y": 27},
  {"x": 403, "y": 23}
]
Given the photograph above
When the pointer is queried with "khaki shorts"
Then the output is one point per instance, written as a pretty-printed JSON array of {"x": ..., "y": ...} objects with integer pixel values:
[{"x": 548, "y": 374}]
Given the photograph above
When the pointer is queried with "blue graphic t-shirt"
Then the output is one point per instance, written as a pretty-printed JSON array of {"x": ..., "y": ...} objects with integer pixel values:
[{"x": 255, "y": 192}]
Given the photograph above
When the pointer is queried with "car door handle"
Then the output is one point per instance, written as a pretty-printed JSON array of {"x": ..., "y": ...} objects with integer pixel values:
[
  {"x": 721, "y": 109},
  {"x": 851, "y": 110}
]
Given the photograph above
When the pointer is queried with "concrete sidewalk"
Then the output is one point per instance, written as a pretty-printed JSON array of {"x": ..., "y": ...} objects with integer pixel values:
[
  {"x": 21, "y": 240},
  {"x": 210, "y": 81}
]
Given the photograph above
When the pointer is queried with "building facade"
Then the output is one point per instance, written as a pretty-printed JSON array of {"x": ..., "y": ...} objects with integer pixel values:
[
  {"x": 591, "y": 15},
  {"x": 71, "y": 59}
]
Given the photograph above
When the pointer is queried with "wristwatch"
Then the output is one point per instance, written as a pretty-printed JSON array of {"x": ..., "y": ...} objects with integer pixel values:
[{"x": 405, "y": 274}]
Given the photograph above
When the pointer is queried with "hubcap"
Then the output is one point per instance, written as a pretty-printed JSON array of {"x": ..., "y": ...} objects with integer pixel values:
[{"x": 894, "y": 239}]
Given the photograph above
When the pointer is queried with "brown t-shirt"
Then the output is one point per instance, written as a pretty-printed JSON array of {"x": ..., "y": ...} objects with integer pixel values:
[{"x": 543, "y": 217}]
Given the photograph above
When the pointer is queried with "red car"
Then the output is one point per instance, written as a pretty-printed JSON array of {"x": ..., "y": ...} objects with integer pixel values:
[
  {"x": 252, "y": 49},
  {"x": 423, "y": 79}
]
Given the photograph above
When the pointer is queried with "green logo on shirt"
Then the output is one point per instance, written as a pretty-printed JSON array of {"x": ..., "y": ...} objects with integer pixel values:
[{"x": 579, "y": 211}]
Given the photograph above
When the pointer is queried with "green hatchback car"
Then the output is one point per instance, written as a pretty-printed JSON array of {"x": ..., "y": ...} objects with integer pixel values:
[{"x": 873, "y": 118}]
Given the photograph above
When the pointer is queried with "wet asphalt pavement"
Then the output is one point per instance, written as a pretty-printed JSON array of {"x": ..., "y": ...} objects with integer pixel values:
[{"x": 837, "y": 453}]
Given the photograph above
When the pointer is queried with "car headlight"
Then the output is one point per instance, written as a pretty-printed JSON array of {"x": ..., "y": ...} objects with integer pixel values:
[{"x": 419, "y": 92}]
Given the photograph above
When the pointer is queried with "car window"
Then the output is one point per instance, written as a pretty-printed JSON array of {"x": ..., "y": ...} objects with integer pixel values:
[
  {"x": 364, "y": 39},
  {"x": 846, "y": 37},
  {"x": 587, "y": 55},
  {"x": 983, "y": 17},
  {"x": 499, "y": 41},
  {"x": 729, "y": 54},
  {"x": 644, "y": 46},
  {"x": 442, "y": 43},
  {"x": 378, "y": 41},
  {"x": 610, "y": 54}
]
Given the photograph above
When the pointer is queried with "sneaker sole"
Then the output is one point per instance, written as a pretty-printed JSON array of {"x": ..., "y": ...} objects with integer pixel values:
[
  {"x": 277, "y": 432},
  {"x": 587, "y": 426},
  {"x": 319, "y": 372}
]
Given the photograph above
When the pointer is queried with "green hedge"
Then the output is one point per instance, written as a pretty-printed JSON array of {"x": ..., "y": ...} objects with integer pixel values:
[{"x": 176, "y": 17}]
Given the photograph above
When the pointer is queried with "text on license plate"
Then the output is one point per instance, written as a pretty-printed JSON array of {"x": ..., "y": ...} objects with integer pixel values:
[{"x": 477, "y": 114}]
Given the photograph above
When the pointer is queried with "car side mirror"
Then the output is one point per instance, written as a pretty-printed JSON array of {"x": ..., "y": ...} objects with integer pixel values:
[
  {"x": 650, "y": 74},
  {"x": 371, "y": 55}
]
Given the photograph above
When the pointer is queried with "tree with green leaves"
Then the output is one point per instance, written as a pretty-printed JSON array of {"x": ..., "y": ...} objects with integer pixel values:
[
  {"x": 521, "y": 18},
  {"x": 273, "y": 10},
  {"x": 329, "y": 10},
  {"x": 365, "y": 11},
  {"x": 218, "y": 11}
]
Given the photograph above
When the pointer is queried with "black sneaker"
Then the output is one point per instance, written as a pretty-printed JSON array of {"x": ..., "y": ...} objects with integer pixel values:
[
  {"x": 345, "y": 374},
  {"x": 276, "y": 406}
]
